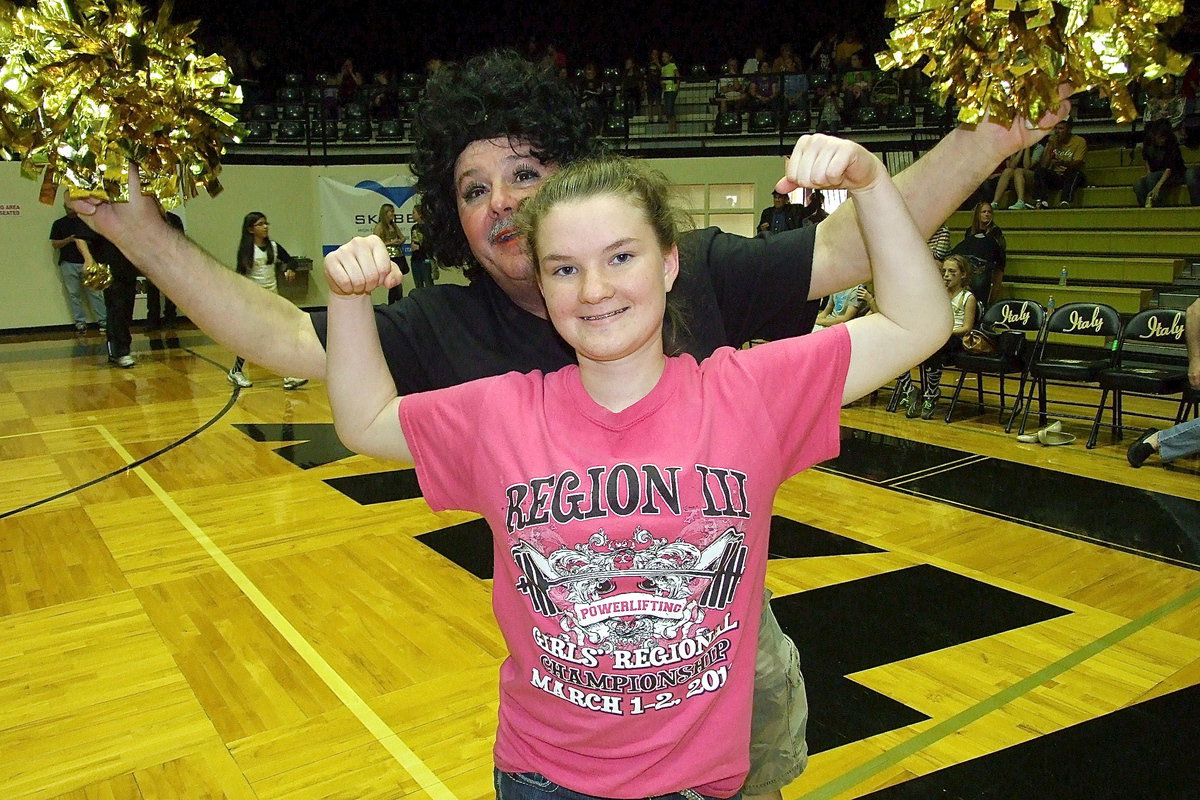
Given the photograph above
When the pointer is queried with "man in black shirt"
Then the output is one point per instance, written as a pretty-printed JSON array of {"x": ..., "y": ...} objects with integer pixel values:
[
  {"x": 69, "y": 235},
  {"x": 781, "y": 216},
  {"x": 119, "y": 296}
]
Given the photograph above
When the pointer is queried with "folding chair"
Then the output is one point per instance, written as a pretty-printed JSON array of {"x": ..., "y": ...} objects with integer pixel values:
[
  {"x": 1159, "y": 326},
  {"x": 390, "y": 130},
  {"x": 1189, "y": 404},
  {"x": 728, "y": 122},
  {"x": 258, "y": 130},
  {"x": 763, "y": 121},
  {"x": 616, "y": 126},
  {"x": 1090, "y": 324},
  {"x": 357, "y": 130},
  {"x": 1010, "y": 322},
  {"x": 796, "y": 121}
]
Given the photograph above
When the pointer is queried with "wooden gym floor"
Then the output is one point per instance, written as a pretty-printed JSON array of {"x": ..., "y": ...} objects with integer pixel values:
[{"x": 202, "y": 596}]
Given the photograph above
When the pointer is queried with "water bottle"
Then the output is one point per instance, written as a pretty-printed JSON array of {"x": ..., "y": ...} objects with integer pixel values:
[
  {"x": 1062, "y": 276},
  {"x": 1050, "y": 304}
]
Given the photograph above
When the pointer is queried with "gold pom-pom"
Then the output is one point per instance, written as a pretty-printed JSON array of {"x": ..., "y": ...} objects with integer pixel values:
[
  {"x": 97, "y": 276},
  {"x": 1007, "y": 57},
  {"x": 88, "y": 85}
]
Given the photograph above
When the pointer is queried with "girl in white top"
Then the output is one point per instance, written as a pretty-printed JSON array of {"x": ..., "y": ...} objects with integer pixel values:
[
  {"x": 258, "y": 258},
  {"x": 964, "y": 307}
]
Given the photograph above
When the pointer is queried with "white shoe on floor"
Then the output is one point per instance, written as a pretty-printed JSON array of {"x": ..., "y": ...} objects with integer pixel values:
[
  {"x": 294, "y": 383},
  {"x": 238, "y": 379},
  {"x": 1032, "y": 438}
]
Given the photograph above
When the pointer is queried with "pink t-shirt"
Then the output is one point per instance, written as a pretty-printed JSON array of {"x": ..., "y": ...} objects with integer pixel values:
[{"x": 631, "y": 551}]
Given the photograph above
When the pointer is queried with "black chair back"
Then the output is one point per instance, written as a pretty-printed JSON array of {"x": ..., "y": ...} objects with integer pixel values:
[
  {"x": 1085, "y": 319},
  {"x": 1162, "y": 326},
  {"x": 1008, "y": 321}
]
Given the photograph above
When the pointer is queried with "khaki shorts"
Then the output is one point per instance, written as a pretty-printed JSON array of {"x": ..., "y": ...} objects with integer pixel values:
[{"x": 778, "y": 750}]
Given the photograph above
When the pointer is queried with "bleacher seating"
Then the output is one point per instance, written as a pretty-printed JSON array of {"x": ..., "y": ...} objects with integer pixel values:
[{"x": 1129, "y": 258}]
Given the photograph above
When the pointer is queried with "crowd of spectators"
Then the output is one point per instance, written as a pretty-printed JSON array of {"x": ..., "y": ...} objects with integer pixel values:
[{"x": 832, "y": 81}]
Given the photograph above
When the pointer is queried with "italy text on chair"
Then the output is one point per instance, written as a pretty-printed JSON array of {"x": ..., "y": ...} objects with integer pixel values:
[
  {"x": 1160, "y": 328},
  {"x": 1074, "y": 350},
  {"x": 1009, "y": 323}
]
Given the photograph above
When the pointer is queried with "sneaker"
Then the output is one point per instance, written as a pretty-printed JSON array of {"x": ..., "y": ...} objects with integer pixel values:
[
  {"x": 124, "y": 362},
  {"x": 1141, "y": 449},
  {"x": 1064, "y": 203},
  {"x": 81, "y": 327},
  {"x": 1018, "y": 206},
  {"x": 927, "y": 409},
  {"x": 294, "y": 383},
  {"x": 1042, "y": 204},
  {"x": 912, "y": 399},
  {"x": 238, "y": 379},
  {"x": 102, "y": 327}
]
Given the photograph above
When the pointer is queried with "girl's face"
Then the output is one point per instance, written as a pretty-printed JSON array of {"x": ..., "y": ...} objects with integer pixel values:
[
  {"x": 605, "y": 278},
  {"x": 952, "y": 275},
  {"x": 387, "y": 214},
  {"x": 985, "y": 214},
  {"x": 259, "y": 230}
]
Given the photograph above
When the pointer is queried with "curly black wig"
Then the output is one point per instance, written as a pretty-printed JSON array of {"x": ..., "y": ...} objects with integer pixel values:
[{"x": 492, "y": 95}]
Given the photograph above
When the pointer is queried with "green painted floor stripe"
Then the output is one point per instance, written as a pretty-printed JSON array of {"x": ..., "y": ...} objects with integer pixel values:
[{"x": 941, "y": 730}]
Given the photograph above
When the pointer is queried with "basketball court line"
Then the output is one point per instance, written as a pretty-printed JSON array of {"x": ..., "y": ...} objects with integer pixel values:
[{"x": 362, "y": 711}]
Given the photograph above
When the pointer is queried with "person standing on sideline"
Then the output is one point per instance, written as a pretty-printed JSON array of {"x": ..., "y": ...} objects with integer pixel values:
[
  {"x": 260, "y": 259},
  {"x": 69, "y": 235},
  {"x": 670, "y": 90},
  {"x": 422, "y": 267},
  {"x": 654, "y": 87},
  {"x": 781, "y": 216},
  {"x": 986, "y": 248},
  {"x": 393, "y": 239},
  {"x": 814, "y": 212},
  {"x": 119, "y": 296}
]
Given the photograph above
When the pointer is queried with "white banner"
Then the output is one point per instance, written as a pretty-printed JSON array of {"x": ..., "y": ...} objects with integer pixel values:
[{"x": 353, "y": 210}]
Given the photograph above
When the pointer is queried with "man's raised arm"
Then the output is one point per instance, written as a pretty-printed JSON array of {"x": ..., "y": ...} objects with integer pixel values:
[
  {"x": 933, "y": 188},
  {"x": 254, "y": 323}
]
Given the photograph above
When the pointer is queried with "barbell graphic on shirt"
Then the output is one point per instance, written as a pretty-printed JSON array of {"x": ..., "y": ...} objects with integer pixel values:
[{"x": 723, "y": 562}]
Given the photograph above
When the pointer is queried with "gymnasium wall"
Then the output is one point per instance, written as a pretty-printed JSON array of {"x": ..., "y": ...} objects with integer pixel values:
[{"x": 728, "y": 192}]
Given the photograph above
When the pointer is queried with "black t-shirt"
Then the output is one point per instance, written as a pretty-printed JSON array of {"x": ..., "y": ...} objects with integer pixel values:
[
  {"x": 66, "y": 226},
  {"x": 105, "y": 252},
  {"x": 731, "y": 289},
  {"x": 989, "y": 246}
]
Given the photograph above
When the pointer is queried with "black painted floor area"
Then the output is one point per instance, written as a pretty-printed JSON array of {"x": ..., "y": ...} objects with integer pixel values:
[
  {"x": 852, "y": 626},
  {"x": 1149, "y": 751},
  {"x": 1136, "y": 520}
]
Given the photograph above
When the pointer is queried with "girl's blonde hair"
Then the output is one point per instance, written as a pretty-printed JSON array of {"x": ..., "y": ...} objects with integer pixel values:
[
  {"x": 629, "y": 180},
  {"x": 964, "y": 266},
  {"x": 624, "y": 178}
]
